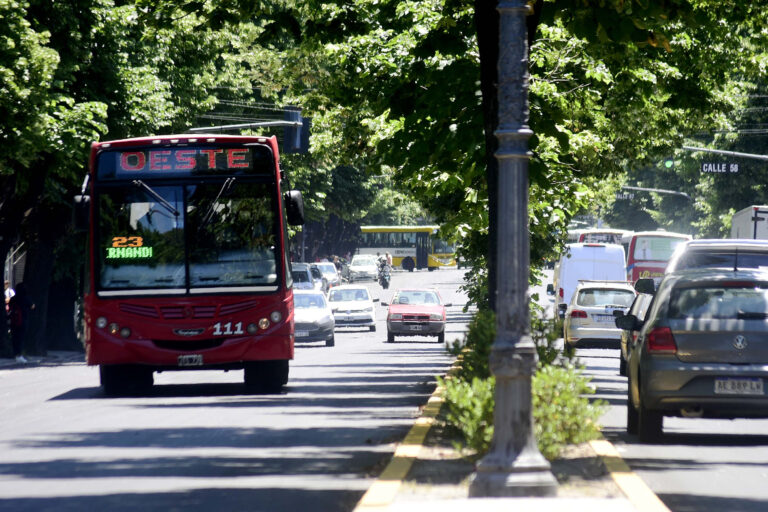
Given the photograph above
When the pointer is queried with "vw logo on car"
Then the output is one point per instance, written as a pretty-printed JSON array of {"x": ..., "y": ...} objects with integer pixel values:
[{"x": 740, "y": 342}]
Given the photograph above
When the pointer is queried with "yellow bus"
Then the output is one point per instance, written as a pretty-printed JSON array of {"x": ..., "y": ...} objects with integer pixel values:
[{"x": 411, "y": 247}]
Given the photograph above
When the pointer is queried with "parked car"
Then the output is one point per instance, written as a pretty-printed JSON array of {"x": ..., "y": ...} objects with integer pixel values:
[
  {"x": 590, "y": 316},
  {"x": 363, "y": 266},
  {"x": 638, "y": 308},
  {"x": 304, "y": 278},
  {"x": 718, "y": 253},
  {"x": 702, "y": 350},
  {"x": 416, "y": 312},
  {"x": 352, "y": 306},
  {"x": 329, "y": 272},
  {"x": 313, "y": 317}
]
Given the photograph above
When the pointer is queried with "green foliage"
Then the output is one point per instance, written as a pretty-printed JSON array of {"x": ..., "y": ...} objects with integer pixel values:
[
  {"x": 470, "y": 410},
  {"x": 562, "y": 412},
  {"x": 475, "y": 351}
]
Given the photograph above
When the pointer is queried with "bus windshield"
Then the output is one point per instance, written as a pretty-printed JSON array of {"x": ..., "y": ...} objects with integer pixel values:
[
  {"x": 655, "y": 248},
  {"x": 187, "y": 237}
]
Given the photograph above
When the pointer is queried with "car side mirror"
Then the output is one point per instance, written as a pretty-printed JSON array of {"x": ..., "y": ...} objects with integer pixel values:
[
  {"x": 645, "y": 285},
  {"x": 550, "y": 289},
  {"x": 617, "y": 313},
  {"x": 628, "y": 323},
  {"x": 294, "y": 207},
  {"x": 375, "y": 300},
  {"x": 448, "y": 305}
]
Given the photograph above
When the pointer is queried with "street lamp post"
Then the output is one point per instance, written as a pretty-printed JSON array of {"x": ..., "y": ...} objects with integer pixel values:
[{"x": 513, "y": 466}]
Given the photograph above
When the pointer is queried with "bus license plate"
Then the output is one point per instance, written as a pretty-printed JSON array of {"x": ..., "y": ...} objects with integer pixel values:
[
  {"x": 190, "y": 360},
  {"x": 739, "y": 386}
]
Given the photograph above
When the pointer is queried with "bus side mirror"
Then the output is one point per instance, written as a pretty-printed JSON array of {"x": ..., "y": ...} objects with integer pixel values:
[
  {"x": 645, "y": 285},
  {"x": 82, "y": 207},
  {"x": 294, "y": 207}
]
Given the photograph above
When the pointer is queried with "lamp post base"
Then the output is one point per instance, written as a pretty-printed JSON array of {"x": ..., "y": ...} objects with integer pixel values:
[{"x": 533, "y": 482}]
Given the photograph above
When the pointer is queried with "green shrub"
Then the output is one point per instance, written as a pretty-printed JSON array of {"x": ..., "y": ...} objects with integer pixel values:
[
  {"x": 561, "y": 411},
  {"x": 475, "y": 351},
  {"x": 470, "y": 411}
]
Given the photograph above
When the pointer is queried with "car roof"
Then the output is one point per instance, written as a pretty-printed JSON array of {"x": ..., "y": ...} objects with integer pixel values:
[
  {"x": 416, "y": 290},
  {"x": 727, "y": 243},
  {"x": 350, "y": 287},
  {"x": 300, "y": 266},
  {"x": 585, "y": 283},
  {"x": 713, "y": 275},
  {"x": 305, "y": 291}
]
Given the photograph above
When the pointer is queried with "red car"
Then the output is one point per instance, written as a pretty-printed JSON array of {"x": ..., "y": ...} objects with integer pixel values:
[{"x": 416, "y": 312}]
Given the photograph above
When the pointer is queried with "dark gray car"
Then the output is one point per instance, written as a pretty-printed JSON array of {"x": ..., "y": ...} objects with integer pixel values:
[{"x": 702, "y": 350}]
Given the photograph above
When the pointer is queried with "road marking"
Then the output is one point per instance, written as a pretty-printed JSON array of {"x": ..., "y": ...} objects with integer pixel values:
[
  {"x": 384, "y": 490},
  {"x": 637, "y": 491}
]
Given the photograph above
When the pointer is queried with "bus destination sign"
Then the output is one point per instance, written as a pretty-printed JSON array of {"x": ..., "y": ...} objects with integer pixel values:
[{"x": 184, "y": 161}]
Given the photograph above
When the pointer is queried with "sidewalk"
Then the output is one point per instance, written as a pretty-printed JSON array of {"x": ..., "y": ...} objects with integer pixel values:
[
  {"x": 426, "y": 473},
  {"x": 54, "y": 357}
]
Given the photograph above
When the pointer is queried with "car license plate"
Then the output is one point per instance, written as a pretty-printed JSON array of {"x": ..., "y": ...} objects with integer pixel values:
[
  {"x": 739, "y": 386},
  {"x": 302, "y": 334},
  {"x": 603, "y": 318},
  {"x": 415, "y": 327},
  {"x": 190, "y": 360}
]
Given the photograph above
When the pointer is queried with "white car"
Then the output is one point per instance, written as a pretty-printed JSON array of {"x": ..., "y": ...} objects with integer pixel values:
[
  {"x": 352, "y": 306},
  {"x": 313, "y": 317},
  {"x": 363, "y": 266},
  {"x": 589, "y": 317}
]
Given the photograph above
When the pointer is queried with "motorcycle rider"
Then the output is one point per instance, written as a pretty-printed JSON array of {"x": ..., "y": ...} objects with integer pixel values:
[{"x": 384, "y": 271}]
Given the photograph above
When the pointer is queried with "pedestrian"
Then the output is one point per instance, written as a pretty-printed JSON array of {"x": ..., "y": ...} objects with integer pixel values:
[
  {"x": 19, "y": 309},
  {"x": 389, "y": 258},
  {"x": 8, "y": 293}
]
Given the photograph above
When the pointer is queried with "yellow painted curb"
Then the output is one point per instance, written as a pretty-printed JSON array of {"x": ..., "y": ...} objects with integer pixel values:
[
  {"x": 636, "y": 491},
  {"x": 384, "y": 490}
]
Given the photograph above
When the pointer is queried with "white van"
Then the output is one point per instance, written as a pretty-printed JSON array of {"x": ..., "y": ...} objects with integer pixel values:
[{"x": 594, "y": 262}]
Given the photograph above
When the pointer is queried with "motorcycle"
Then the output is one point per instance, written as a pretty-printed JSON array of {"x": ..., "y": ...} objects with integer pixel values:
[{"x": 384, "y": 276}]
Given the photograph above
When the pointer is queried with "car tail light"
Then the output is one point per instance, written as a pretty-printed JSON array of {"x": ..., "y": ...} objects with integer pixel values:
[
  {"x": 660, "y": 340},
  {"x": 561, "y": 293},
  {"x": 576, "y": 313}
]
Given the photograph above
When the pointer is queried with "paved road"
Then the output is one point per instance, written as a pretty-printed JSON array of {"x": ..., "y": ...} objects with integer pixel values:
[
  {"x": 701, "y": 465},
  {"x": 198, "y": 442}
]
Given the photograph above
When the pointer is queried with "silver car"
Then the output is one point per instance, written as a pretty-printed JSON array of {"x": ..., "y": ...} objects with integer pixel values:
[
  {"x": 702, "y": 350},
  {"x": 590, "y": 315},
  {"x": 717, "y": 253},
  {"x": 313, "y": 317}
]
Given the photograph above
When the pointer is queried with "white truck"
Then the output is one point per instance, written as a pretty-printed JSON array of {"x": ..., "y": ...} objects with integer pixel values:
[
  {"x": 593, "y": 262},
  {"x": 751, "y": 222}
]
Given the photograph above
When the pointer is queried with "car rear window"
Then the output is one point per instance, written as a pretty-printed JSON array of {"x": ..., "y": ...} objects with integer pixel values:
[
  {"x": 348, "y": 295},
  {"x": 732, "y": 302},
  {"x": 309, "y": 301},
  {"x": 300, "y": 276},
  {"x": 701, "y": 259},
  {"x": 604, "y": 297}
]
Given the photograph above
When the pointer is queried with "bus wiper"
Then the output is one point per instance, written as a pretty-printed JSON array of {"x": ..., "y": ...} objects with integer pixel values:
[
  {"x": 746, "y": 315},
  {"x": 168, "y": 206},
  {"x": 211, "y": 209}
]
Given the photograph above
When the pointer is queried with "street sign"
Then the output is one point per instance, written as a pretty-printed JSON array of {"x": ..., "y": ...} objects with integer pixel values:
[{"x": 719, "y": 168}]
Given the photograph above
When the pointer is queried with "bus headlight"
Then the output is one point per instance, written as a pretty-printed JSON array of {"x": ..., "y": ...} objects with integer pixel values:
[
  {"x": 101, "y": 322},
  {"x": 114, "y": 328},
  {"x": 125, "y": 332},
  {"x": 263, "y": 323},
  {"x": 275, "y": 316},
  {"x": 252, "y": 328}
]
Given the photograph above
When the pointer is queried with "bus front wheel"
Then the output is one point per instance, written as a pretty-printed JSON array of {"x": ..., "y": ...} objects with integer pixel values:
[
  {"x": 266, "y": 376},
  {"x": 408, "y": 264},
  {"x": 125, "y": 379}
]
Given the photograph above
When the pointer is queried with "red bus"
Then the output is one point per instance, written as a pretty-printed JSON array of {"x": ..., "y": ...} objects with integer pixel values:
[
  {"x": 187, "y": 264},
  {"x": 602, "y": 236},
  {"x": 649, "y": 252}
]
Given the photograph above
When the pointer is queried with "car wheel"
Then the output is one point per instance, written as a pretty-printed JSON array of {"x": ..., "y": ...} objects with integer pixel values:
[
  {"x": 622, "y": 364},
  {"x": 390, "y": 337},
  {"x": 631, "y": 413},
  {"x": 330, "y": 342},
  {"x": 373, "y": 328},
  {"x": 649, "y": 424},
  {"x": 441, "y": 337}
]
